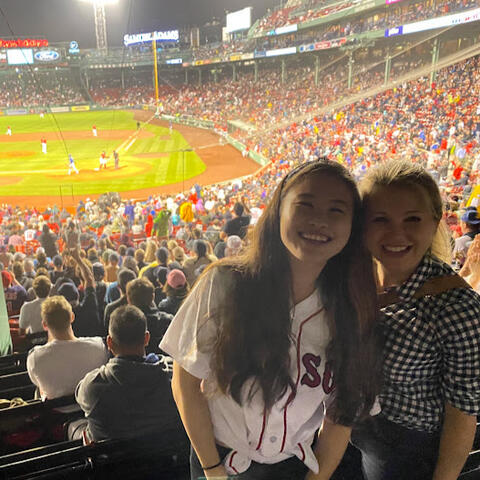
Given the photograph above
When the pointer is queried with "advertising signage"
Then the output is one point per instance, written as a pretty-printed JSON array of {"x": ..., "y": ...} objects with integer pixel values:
[
  {"x": 240, "y": 20},
  {"x": 23, "y": 56},
  {"x": 433, "y": 23},
  {"x": 167, "y": 36},
  {"x": 46, "y": 56},
  {"x": 23, "y": 43}
]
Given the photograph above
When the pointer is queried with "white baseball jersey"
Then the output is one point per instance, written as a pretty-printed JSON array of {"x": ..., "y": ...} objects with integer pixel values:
[{"x": 247, "y": 430}]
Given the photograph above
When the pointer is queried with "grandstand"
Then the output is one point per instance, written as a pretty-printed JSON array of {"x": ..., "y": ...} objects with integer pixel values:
[{"x": 201, "y": 127}]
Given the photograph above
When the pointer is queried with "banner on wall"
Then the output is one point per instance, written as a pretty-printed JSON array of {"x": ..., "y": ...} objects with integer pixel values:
[
  {"x": 59, "y": 109},
  {"x": 80, "y": 108}
]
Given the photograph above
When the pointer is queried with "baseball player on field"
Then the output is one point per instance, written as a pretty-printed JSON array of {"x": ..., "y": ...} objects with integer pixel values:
[
  {"x": 266, "y": 375},
  {"x": 103, "y": 160},
  {"x": 71, "y": 164}
]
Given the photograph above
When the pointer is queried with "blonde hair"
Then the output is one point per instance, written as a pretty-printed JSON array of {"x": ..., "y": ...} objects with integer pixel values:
[
  {"x": 150, "y": 251},
  {"x": 56, "y": 313},
  {"x": 403, "y": 173}
]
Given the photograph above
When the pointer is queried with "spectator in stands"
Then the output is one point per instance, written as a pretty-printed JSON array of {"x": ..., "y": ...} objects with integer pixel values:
[
  {"x": 191, "y": 265},
  {"x": 234, "y": 340},
  {"x": 20, "y": 277},
  {"x": 470, "y": 224},
  {"x": 162, "y": 273},
  {"x": 57, "y": 367},
  {"x": 57, "y": 271},
  {"x": 178, "y": 255},
  {"x": 431, "y": 384},
  {"x": 30, "y": 314},
  {"x": 29, "y": 268},
  {"x": 100, "y": 286},
  {"x": 87, "y": 322},
  {"x": 471, "y": 270},
  {"x": 140, "y": 293},
  {"x": 234, "y": 246},
  {"x": 15, "y": 294},
  {"x": 139, "y": 258},
  {"x": 176, "y": 290},
  {"x": 48, "y": 240},
  {"x": 130, "y": 396},
  {"x": 112, "y": 268},
  {"x": 161, "y": 260},
  {"x": 219, "y": 249},
  {"x": 123, "y": 277},
  {"x": 238, "y": 225}
]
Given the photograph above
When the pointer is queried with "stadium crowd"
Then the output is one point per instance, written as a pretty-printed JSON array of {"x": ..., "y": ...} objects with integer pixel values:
[
  {"x": 120, "y": 267},
  {"x": 38, "y": 89}
]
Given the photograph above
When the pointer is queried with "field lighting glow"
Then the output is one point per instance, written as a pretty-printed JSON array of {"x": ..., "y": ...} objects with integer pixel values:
[{"x": 100, "y": 2}]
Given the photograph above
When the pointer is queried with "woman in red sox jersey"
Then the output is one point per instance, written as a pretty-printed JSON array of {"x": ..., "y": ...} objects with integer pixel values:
[{"x": 269, "y": 341}]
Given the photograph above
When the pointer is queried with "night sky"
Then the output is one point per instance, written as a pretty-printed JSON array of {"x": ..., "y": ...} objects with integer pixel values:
[{"x": 65, "y": 20}]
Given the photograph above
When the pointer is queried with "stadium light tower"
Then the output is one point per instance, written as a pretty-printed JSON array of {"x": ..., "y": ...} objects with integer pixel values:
[{"x": 101, "y": 21}]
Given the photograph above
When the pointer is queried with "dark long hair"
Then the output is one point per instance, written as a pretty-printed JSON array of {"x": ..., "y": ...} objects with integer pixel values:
[{"x": 255, "y": 326}]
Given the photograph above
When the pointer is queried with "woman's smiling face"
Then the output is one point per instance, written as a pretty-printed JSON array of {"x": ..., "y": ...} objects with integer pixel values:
[
  {"x": 400, "y": 228},
  {"x": 316, "y": 219}
]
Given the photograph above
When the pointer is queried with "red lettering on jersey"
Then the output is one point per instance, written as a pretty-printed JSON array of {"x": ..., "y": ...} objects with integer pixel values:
[
  {"x": 312, "y": 378},
  {"x": 328, "y": 382}
]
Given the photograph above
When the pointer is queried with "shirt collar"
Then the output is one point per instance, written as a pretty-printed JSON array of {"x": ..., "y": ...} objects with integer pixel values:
[{"x": 422, "y": 273}]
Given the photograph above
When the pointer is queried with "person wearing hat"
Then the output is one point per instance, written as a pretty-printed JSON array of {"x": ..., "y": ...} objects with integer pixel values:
[
  {"x": 176, "y": 289},
  {"x": 234, "y": 245},
  {"x": 15, "y": 294},
  {"x": 57, "y": 271},
  {"x": 161, "y": 260},
  {"x": 470, "y": 224}
]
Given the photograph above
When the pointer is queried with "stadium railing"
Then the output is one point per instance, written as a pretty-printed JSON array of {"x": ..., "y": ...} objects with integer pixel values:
[
  {"x": 152, "y": 456},
  {"x": 13, "y": 363},
  {"x": 36, "y": 423}
]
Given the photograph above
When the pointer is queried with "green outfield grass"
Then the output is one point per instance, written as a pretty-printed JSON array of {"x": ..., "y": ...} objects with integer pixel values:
[{"x": 153, "y": 159}]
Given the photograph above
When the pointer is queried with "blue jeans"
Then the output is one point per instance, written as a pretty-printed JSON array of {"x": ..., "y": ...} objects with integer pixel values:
[
  {"x": 290, "y": 469},
  {"x": 393, "y": 452}
]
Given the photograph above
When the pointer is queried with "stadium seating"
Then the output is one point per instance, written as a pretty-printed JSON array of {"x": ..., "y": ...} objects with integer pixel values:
[{"x": 158, "y": 456}]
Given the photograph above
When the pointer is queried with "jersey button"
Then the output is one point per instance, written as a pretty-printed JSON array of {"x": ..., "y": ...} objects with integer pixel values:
[{"x": 273, "y": 439}]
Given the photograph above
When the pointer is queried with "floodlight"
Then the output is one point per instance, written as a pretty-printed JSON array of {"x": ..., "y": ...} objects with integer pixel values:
[{"x": 100, "y": 21}]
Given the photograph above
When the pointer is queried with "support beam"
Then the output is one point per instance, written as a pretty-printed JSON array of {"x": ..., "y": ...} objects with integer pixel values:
[
  {"x": 350, "y": 70},
  {"x": 317, "y": 70},
  {"x": 283, "y": 71},
  {"x": 234, "y": 72},
  {"x": 435, "y": 57},
  {"x": 186, "y": 76},
  {"x": 199, "y": 76},
  {"x": 388, "y": 67},
  {"x": 255, "y": 72}
]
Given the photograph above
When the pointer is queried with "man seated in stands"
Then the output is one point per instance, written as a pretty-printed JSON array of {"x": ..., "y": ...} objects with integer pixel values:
[
  {"x": 15, "y": 294},
  {"x": 130, "y": 395},
  {"x": 56, "y": 367},
  {"x": 123, "y": 277},
  {"x": 31, "y": 312},
  {"x": 140, "y": 293}
]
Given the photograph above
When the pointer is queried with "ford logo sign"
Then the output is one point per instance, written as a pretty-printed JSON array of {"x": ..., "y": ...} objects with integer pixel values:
[{"x": 47, "y": 56}]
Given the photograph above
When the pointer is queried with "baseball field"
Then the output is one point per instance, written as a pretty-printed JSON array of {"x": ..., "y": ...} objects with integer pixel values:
[{"x": 149, "y": 156}]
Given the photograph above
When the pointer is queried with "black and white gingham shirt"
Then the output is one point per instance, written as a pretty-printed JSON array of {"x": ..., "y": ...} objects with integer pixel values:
[{"x": 432, "y": 352}]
